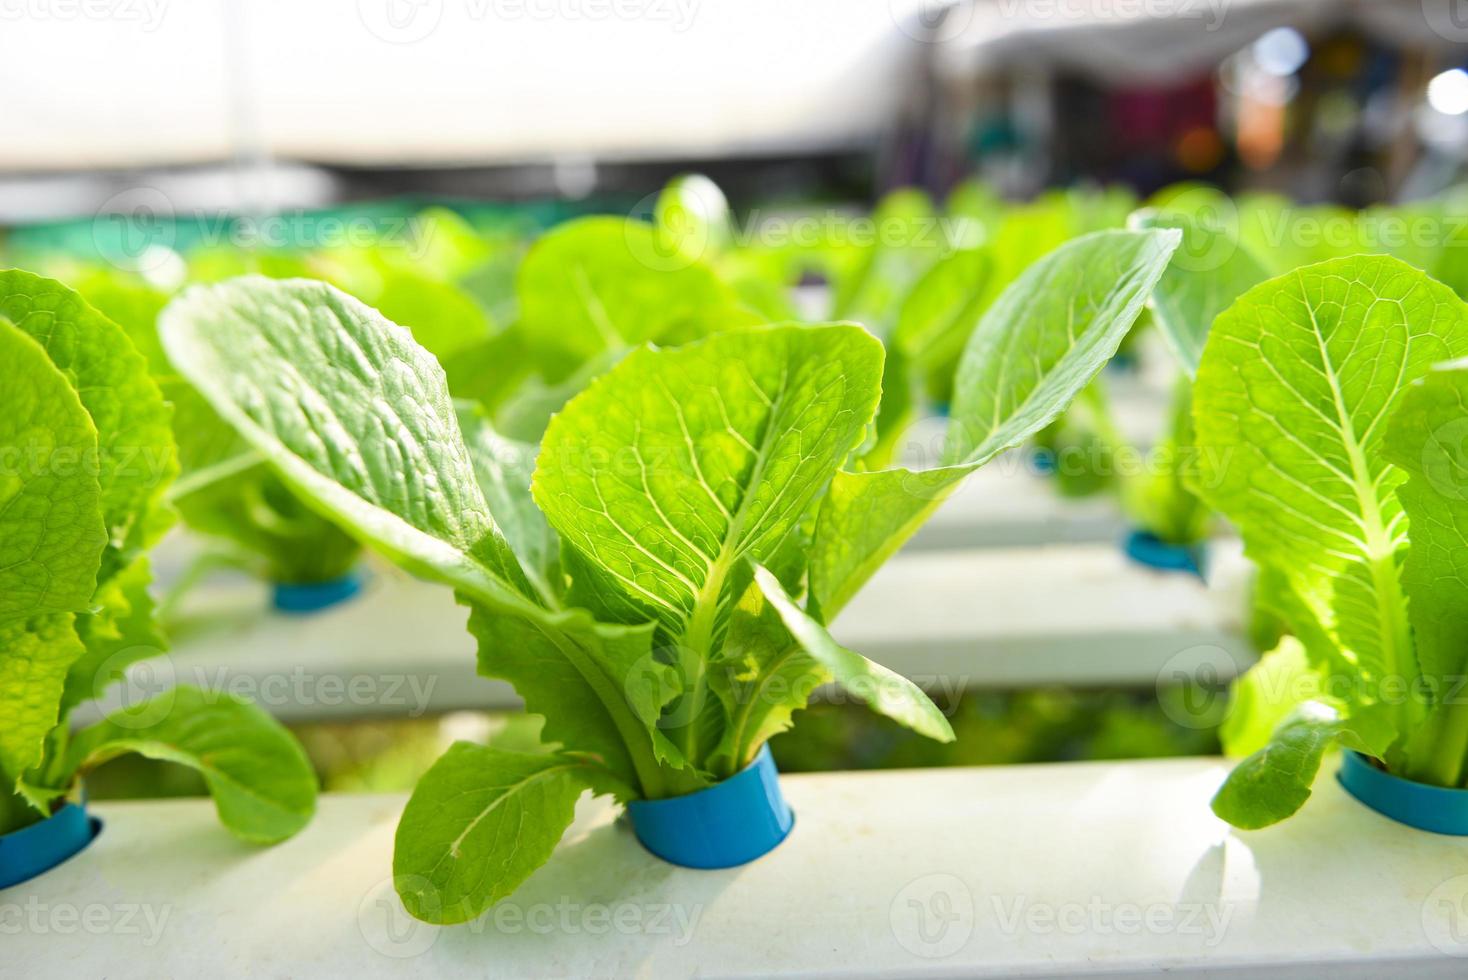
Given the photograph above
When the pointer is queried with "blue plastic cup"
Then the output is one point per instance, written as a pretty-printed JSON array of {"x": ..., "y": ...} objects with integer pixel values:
[
  {"x": 36, "y": 849},
  {"x": 728, "y": 824},
  {"x": 1434, "y": 808},
  {"x": 310, "y": 597},
  {"x": 1146, "y": 548}
]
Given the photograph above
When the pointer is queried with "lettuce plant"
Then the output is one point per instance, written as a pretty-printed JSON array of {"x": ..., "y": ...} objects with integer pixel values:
[
  {"x": 88, "y": 456},
  {"x": 1335, "y": 448},
  {"x": 660, "y": 590}
]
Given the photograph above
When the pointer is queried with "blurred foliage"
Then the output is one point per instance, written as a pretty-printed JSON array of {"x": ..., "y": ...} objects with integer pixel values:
[
  {"x": 993, "y": 728},
  {"x": 996, "y": 728}
]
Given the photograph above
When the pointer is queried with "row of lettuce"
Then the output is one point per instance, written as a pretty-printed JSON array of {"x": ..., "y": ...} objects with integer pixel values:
[
  {"x": 520, "y": 323},
  {"x": 654, "y": 485}
]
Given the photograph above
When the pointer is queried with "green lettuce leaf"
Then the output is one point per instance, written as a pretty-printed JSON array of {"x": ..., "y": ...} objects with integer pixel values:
[
  {"x": 671, "y": 469},
  {"x": 604, "y": 283},
  {"x": 940, "y": 312},
  {"x": 1159, "y": 499},
  {"x": 118, "y": 632},
  {"x": 1426, "y": 438},
  {"x": 35, "y": 656},
  {"x": 1275, "y": 781},
  {"x": 478, "y": 824},
  {"x": 263, "y": 785},
  {"x": 1069, "y": 311},
  {"x": 51, "y": 527},
  {"x": 883, "y": 266},
  {"x": 354, "y": 416},
  {"x": 1207, "y": 273},
  {"x": 1296, "y": 384},
  {"x": 52, "y": 536},
  {"x": 1263, "y": 697},
  {"x": 885, "y": 691},
  {"x": 762, "y": 676},
  {"x": 504, "y": 468},
  {"x": 134, "y": 457},
  {"x": 693, "y": 215}
]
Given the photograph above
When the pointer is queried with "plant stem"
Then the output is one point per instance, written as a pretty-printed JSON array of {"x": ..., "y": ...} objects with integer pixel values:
[
  {"x": 1444, "y": 766},
  {"x": 700, "y": 639}
]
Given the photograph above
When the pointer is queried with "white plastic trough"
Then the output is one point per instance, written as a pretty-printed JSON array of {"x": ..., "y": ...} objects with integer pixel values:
[
  {"x": 1062, "y": 870},
  {"x": 1008, "y": 505},
  {"x": 1079, "y": 615}
]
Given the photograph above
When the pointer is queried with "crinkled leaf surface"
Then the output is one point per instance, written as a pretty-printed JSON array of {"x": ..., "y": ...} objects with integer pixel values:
[
  {"x": 134, "y": 458},
  {"x": 352, "y": 413},
  {"x": 51, "y": 526},
  {"x": 52, "y": 537},
  {"x": 677, "y": 464},
  {"x": 35, "y": 656}
]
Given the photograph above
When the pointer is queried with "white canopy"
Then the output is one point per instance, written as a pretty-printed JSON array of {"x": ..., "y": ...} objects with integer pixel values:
[{"x": 126, "y": 83}]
